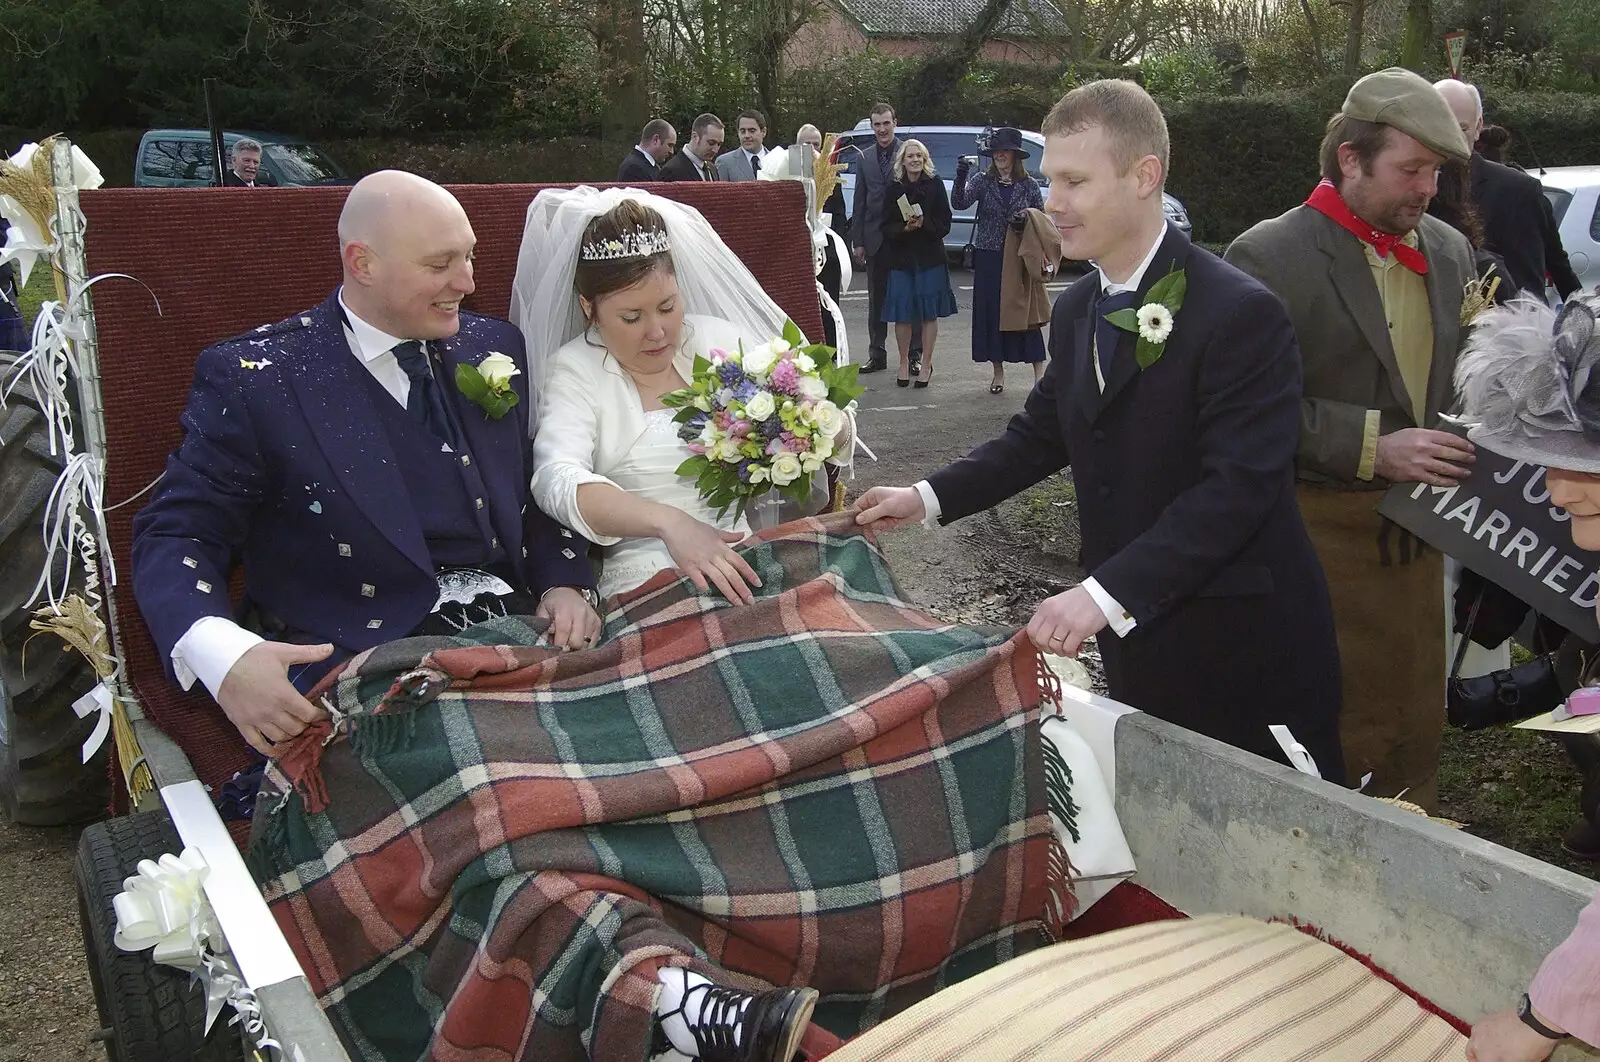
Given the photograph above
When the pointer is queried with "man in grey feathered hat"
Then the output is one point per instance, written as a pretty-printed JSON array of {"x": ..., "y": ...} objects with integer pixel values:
[{"x": 1374, "y": 287}]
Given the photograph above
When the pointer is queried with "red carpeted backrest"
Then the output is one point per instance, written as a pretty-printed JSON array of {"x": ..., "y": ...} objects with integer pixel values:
[{"x": 223, "y": 261}]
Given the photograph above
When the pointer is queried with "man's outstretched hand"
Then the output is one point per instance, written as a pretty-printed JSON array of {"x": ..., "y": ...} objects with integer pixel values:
[
  {"x": 885, "y": 508},
  {"x": 259, "y": 699},
  {"x": 1061, "y": 623}
]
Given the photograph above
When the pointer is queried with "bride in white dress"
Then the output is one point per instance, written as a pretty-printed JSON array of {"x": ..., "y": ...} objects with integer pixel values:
[{"x": 616, "y": 293}]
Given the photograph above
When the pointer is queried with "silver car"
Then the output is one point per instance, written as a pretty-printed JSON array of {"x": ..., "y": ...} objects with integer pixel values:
[
  {"x": 946, "y": 144},
  {"x": 1574, "y": 192}
]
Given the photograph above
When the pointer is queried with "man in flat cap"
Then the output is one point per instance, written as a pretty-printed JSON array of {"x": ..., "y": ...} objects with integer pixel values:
[{"x": 1374, "y": 287}]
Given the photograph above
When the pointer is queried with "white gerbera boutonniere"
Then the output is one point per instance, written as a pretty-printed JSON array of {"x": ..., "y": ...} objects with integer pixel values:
[
  {"x": 1153, "y": 321},
  {"x": 488, "y": 383}
]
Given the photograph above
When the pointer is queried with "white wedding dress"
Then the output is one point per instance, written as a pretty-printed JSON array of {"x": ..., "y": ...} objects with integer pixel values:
[{"x": 593, "y": 428}]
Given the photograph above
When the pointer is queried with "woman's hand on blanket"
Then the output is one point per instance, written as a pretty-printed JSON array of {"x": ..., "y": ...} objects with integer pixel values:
[
  {"x": 573, "y": 624},
  {"x": 1061, "y": 623},
  {"x": 258, "y": 698},
  {"x": 1504, "y": 1038},
  {"x": 885, "y": 508},
  {"x": 705, "y": 554}
]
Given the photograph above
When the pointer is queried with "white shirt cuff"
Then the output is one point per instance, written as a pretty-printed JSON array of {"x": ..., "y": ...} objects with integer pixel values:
[
  {"x": 1121, "y": 622},
  {"x": 930, "y": 505},
  {"x": 209, "y": 649}
]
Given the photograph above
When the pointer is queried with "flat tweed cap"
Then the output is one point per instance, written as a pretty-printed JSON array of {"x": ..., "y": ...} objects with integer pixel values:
[{"x": 1405, "y": 100}]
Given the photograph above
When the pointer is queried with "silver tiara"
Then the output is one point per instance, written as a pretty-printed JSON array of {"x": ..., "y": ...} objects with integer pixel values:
[{"x": 640, "y": 243}]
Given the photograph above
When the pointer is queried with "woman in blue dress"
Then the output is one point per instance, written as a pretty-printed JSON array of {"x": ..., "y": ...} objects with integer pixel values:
[
  {"x": 1002, "y": 192},
  {"x": 919, "y": 277}
]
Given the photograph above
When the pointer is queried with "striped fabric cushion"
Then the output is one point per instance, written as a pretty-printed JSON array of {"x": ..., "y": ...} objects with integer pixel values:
[{"x": 1199, "y": 990}]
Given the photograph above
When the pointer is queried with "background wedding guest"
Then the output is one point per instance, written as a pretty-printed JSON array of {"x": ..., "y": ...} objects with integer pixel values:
[
  {"x": 697, "y": 160},
  {"x": 919, "y": 279},
  {"x": 11, "y": 324},
  {"x": 1003, "y": 192},
  {"x": 244, "y": 166},
  {"x": 874, "y": 171},
  {"x": 744, "y": 162},
  {"x": 1374, "y": 287},
  {"x": 1455, "y": 206},
  {"x": 1518, "y": 222},
  {"x": 1494, "y": 144},
  {"x": 657, "y": 143}
]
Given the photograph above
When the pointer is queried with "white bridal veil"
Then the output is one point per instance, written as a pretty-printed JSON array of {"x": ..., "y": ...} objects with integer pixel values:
[{"x": 544, "y": 304}]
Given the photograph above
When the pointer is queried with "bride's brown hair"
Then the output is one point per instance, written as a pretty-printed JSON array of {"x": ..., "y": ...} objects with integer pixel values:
[{"x": 595, "y": 280}]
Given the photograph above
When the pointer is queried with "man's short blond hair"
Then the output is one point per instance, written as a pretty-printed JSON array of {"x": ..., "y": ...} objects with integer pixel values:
[{"x": 1131, "y": 119}]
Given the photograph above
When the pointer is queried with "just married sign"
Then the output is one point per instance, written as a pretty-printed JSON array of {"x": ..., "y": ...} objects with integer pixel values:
[{"x": 1500, "y": 523}]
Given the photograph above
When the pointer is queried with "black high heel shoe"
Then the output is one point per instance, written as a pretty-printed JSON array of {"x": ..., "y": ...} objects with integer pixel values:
[
  {"x": 926, "y": 380},
  {"x": 902, "y": 381}
]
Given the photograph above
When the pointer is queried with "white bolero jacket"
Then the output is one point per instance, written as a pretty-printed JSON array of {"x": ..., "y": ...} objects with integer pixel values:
[{"x": 590, "y": 416}]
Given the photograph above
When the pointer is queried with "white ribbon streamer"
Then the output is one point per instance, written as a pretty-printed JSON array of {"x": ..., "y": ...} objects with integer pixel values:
[{"x": 164, "y": 907}]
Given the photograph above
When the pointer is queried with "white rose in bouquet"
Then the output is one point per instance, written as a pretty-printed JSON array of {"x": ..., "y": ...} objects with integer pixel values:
[
  {"x": 786, "y": 469},
  {"x": 828, "y": 419},
  {"x": 813, "y": 388},
  {"x": 758, "y": 361},
  {"x": 761, "y": 406},
  {"x": 805, "y": 363},
  {"x": 497, "y": 370}
]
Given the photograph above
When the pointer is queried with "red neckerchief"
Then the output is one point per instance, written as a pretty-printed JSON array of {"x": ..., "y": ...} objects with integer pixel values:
[{"x": 1325, "y": 199}]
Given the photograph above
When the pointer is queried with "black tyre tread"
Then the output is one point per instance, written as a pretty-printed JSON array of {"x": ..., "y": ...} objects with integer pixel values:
[
  {"x": 43, "y": 781},
  {"x": 155, "y": 1013}
]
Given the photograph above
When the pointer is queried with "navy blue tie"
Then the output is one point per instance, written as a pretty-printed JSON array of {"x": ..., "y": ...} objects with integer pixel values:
[
  {"x": 424, "y": 403},
  {"x": 1107, "y": 336}
]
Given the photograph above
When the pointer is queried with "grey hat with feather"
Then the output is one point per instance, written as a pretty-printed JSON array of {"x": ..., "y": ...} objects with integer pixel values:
[{"x": 1529, "y": 384}]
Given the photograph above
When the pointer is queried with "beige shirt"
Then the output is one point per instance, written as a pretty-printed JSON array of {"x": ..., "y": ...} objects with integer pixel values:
[{"x": 1405, "y": 306}]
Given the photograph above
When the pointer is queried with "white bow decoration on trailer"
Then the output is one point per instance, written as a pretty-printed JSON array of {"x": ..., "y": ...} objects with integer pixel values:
[{"x": 164, "y": 907}]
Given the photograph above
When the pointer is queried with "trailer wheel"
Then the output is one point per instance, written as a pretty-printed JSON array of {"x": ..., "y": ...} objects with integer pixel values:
[
  {"x": 148, "y": 1012},
  {"x": 43, "y": 781}
]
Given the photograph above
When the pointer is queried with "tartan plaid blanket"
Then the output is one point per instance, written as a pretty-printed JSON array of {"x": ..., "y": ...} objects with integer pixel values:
[{"x": 492, "y": 847}]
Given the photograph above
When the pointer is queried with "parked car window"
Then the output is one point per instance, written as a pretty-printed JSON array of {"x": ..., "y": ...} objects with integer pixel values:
[
  {"x": 301, "y": 164},
  {"x": 1594, "y": 223},
  {"x": 183, "y": 160},
  {"x": 1560, "y": 199},
  {"x": 850, "y": 149}
]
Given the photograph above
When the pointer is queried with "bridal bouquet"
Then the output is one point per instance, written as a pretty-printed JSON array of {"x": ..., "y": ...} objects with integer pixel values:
[{"x": 762, "y": 419}]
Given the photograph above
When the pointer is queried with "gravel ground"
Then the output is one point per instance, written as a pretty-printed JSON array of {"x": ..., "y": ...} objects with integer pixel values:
[{"x": 47, "y": 1011}]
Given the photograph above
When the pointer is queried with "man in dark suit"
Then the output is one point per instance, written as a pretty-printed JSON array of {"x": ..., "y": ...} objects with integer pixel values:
[
  {"x": 244, "y": 166},
  {"x": 657, "y": 142},
  {"x": 335, "y": 455},
  {"x": 1198, "y": 559},
  {"x": 697, "y": 160},
  {"x": 874, "y": 170},
  {"x": 1518, "y": 222}
]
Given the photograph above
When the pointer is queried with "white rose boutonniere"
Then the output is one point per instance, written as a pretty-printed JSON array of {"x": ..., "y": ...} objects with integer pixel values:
[
  {"x": 489, "y": 383},
  {"x": 1153, "y": 321}
]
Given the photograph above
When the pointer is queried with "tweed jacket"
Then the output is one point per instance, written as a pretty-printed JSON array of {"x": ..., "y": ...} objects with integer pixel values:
[{"x": 1321, "y": 273}]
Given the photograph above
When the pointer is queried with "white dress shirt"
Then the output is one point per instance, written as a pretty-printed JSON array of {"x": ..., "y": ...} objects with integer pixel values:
[
  {"x": 213, "y": 644},
  {"x": 1118, "y": 617}
]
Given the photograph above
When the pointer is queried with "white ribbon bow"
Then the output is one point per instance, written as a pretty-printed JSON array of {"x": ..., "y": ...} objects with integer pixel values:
[{"x": 164, "y": 906}]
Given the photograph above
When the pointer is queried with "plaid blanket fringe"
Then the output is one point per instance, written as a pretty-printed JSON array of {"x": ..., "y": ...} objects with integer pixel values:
[{"x": 491, "y": 845}]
